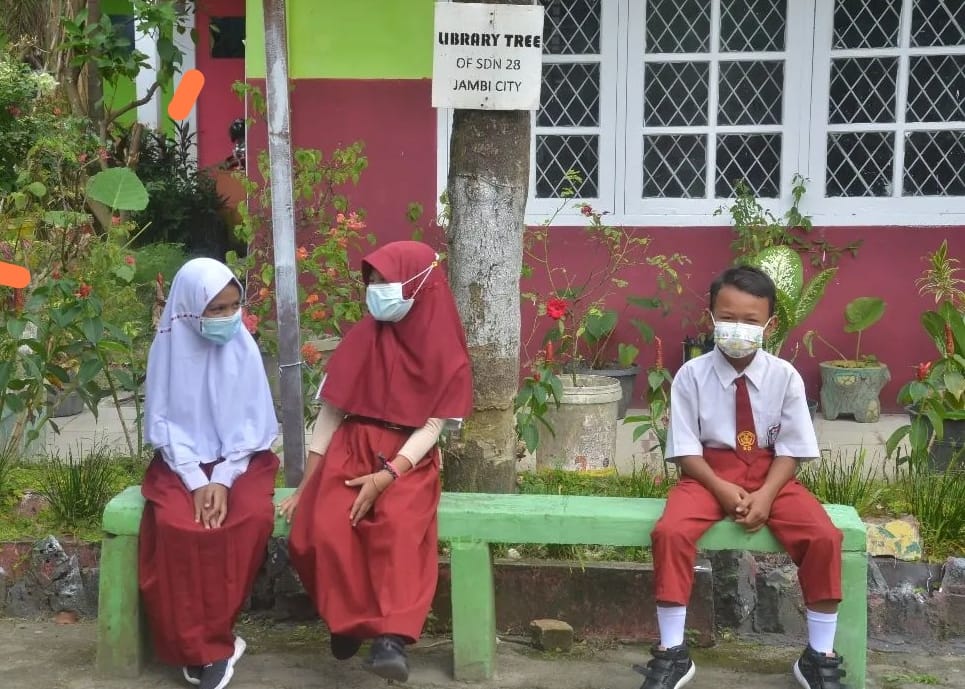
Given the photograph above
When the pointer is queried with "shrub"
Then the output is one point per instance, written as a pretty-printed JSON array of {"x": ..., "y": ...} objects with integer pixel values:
[
  {"x": 78, "y": 489},
  {"x": 837, "y": 482}
]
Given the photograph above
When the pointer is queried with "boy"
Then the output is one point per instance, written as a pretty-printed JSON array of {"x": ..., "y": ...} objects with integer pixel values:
[{"x": 739, "y": 425}]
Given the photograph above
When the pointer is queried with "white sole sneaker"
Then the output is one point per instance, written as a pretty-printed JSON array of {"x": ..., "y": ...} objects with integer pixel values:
[
  {"x": 229, "y": 672},
  {"x": 188, "y": 678}
]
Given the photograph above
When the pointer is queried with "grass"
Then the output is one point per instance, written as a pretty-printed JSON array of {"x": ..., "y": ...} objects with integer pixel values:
[
  {"x": 77, "y": 492},
  {"x": 844, "y": 481},
  {"x": 937, "y": 500}
]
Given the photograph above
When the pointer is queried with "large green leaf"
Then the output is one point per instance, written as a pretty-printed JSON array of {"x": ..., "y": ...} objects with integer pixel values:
[
  {"x": 785, "y": 320},
  {"x": 784, "y": 266},
  {"x": 956, "y": 319},
  {"x": 600, "y": 324},
  {"x": 812, "y": 294},
  {"x": 863, "y": 312},
  {"x": 119, "y": 189}
]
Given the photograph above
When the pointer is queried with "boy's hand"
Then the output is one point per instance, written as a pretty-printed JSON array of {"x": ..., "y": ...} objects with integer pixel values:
[
  {"x": 754, "y": 510},
  {"x": 730, "y": 496}
]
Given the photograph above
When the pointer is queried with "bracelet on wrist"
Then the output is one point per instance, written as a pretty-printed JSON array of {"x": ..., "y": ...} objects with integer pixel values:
[{"x": 392, "y": 471}]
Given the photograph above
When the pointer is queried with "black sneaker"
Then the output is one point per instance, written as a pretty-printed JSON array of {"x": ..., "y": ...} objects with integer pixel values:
[
  {"x": 669, "y": 669},
  {"x": 387, "y": 658},
  {"x": 344, "y": 647},
  {"x": 815, "y": 670},
  {"x": 192, "y": 673},
  {"x": 216, "y": 675}
]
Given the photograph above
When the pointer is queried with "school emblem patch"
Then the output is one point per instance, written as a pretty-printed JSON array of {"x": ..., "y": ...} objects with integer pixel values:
[{"x": 746, "y": 440}]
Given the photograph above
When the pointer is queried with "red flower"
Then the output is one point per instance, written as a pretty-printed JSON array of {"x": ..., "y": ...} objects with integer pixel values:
[
  {"x": 311, "y": 299},
  {"x": 556, "y": 308},
  {"x": 263, "y": 293},
  {"x": 301, "y": 253},
  {"x": 318, "y": 315},
  {"x": 129, "y": 260},
  {"x": 251, "y": 322},
  {"x": 13, "y": 110},
  {"x": 83, "y": 291},
  {"x": 923, "y": 369},
  {"x": 658, "y": 357},
  {"x": 586, "y": 209},
  {"x": 102, "y": 154},
  {"x": 310, "y": 354},
  {"x": 536, "y": 376},
  {"x": 82, "y": 158}
]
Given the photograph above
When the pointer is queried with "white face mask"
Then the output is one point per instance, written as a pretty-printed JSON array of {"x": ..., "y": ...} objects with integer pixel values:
[
  {"x": 738, "y": 340},
  {"x": 385, "y": 301}
]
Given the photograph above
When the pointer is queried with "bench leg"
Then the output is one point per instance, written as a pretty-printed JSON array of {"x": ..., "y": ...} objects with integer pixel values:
[
  {"x": 852, "y": 635},
  {"x": 473, "y": 611},
  {"x": 121, "y": 633}
]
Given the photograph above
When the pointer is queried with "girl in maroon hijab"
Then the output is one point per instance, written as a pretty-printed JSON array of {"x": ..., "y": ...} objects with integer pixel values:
[{"x": 363, "y": 539}]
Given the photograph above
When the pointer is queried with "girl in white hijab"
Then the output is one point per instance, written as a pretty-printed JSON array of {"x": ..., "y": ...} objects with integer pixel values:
[{"x": 209, "y": 513}]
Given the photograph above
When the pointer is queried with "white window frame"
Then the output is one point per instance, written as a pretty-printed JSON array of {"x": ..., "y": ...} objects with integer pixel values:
[{"x": 804, "y": 131}]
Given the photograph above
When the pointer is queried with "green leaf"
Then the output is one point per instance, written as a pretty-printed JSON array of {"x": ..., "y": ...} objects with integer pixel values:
[
  {"x": 111, "y": 347},
  {"x": 863, "y": 312},
  {"x": 124, "y": 272},
  {"x": 15, "y": 327},
  {"x": 119, "y": 189},
  {"x": 93, "y": 329},
  {"x": 267, "y": 274},
  {"x": 599, "y": 325},
  {"x": 954, "y": 383},
  {"x": 646, "y": 302},
  {"x": 627, "y": 354},
  {"x": 6, "y": 370},
  {"x": 646, "y": 332},
  {"x": 88, "y": 370},
  {"x": 812, "y": 294},
  {"x": 934, "y": 325},
  {"x": 655, "y": 380},
  {"x": 895, "y": 439},
  {"x": 37, "y": 189},
  {"x": 783, "y": 265},
  {"x": 530, "y": 435}
]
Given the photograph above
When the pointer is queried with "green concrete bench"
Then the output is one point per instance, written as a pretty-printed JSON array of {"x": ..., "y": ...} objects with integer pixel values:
[{"x": 470, "y": 522}]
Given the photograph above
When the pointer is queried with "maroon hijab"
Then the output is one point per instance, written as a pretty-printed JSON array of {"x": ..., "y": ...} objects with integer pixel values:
[{"x": 413, "y": 370}]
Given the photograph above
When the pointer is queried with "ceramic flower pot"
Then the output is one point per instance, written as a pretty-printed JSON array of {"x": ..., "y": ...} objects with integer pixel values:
[
  {"x": 585, "y": 425},
  {"x": 847, "y": 388}
]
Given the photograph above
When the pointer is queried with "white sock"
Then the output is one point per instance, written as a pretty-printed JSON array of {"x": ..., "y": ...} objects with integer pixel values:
[
  {"x": 821, "y": 629},
  {"x": 671, "y": 623}
]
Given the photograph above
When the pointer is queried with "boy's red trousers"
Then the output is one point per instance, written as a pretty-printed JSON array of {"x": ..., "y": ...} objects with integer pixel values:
[{"x": 797, "y": 520}]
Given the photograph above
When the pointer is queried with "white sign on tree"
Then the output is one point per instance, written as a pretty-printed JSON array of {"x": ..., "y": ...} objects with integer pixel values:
[{"x": 487, "y": 57}]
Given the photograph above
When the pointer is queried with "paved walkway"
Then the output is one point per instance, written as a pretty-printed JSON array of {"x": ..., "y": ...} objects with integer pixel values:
[
  {"x": 840, "y": 439},
  {"x": 42, "y": 655}
]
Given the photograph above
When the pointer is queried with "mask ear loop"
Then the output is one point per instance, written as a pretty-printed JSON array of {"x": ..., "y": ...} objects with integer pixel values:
[{"x": 425, "y": 276}]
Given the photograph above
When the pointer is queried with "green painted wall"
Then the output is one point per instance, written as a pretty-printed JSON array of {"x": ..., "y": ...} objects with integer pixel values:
[{"x": 348, "y": 39}]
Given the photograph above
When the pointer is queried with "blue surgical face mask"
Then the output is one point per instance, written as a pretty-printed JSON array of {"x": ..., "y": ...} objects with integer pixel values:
[
  {"x": 385, "y": 301},
  {"x": 221, "y": 330}
]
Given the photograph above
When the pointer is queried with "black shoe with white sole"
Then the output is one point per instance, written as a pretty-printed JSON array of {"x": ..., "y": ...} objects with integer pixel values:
[
  {"x": 344, "y": 647},
  {"x": 669, "y": 668},
  {"x": 216, "y": 675},
  {"x": 387, "y": 658},
  {"x": 192, "y": 673},
  {"x": 815, "y": 670}
]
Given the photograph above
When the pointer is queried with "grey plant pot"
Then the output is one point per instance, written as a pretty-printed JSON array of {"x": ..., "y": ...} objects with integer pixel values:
[
  {"x": 852, "y": 390},
  {"x": 627, "y": 378}
]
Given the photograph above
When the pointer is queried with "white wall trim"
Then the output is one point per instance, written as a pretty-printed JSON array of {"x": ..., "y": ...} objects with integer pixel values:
[
  {"x": 189, "y": 49},
  {"x": 149, "y": 114}
]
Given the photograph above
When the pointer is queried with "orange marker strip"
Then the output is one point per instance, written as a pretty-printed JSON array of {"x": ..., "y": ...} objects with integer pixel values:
[
  {"x": 17, "y": 277},
  {"x": 186, "y": 94}
]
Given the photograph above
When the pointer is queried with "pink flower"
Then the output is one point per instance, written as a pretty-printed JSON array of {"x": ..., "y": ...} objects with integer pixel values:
[
  {"x": 14, "y": 110},
  {"x": 129, "y": 260},
  {"x": 83, "y": 291},
  {"x": 251, "y": 322},
  {"x": 301, "y": 253},
  {"x": 586, "y": 209}
]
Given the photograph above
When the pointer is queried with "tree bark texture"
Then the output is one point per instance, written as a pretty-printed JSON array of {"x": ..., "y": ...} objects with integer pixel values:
[{"x": 487, "y": 188}]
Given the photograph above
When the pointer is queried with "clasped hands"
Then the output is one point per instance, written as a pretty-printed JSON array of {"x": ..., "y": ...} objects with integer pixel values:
[
  {"x": 750, "y": 509},
  {"x": 210, "y": 505}
]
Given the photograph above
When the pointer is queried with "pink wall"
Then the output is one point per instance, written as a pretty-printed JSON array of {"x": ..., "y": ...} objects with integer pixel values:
[
  {"x": 398, "y": 125},
  {"x": 217, "y": 105}
]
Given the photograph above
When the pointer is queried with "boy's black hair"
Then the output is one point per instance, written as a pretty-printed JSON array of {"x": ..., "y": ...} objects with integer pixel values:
[{"x": 747, "y": 279}]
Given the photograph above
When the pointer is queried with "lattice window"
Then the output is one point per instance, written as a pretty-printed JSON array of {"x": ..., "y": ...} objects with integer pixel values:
[
  {"x": 713, "y": 97},
  {"x": 567, "y": 125},
  {"x": 896, "y": 99}
]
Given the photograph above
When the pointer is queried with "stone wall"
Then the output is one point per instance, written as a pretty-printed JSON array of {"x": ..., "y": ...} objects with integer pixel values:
[{"x": 733, "y": 590}]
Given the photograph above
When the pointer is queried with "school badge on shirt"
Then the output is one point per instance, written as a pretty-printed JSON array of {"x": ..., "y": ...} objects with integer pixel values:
[
  {"x": 772, "y": 433},
  {"x": 746, "y": 440}
]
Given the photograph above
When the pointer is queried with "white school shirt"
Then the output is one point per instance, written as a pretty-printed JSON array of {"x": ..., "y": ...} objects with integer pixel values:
[{"x": 703, "y": 409}]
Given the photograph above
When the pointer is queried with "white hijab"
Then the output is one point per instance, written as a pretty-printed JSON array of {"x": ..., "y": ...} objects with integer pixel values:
[{"x": 205, "y": 400}]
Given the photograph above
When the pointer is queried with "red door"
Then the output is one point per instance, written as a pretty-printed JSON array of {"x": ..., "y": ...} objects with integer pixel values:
[{"x": 220, "y": 26}]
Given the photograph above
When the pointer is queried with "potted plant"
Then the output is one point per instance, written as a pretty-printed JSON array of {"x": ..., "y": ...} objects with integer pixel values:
[
  {"x": 584, "y": 328},
  {"x": 852, "y": 386},
  {"x": 935, "y": 399}
]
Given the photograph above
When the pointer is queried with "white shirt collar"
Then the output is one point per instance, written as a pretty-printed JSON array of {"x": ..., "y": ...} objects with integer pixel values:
[{"x": 727, "y": 374}]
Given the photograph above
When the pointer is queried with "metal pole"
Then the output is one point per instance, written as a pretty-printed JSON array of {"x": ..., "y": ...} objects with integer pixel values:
[{"x": 283, "y": 235}]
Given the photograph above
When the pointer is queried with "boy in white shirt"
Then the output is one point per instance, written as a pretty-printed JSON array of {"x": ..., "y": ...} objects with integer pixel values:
[{"x": 739, "y": 426}]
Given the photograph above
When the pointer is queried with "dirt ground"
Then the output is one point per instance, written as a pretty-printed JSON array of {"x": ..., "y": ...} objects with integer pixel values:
[{"x": 44, "y": 655}]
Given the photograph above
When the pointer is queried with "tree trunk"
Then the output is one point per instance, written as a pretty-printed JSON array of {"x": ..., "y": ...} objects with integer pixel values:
[
  {"x": 95, "y": 85},
  {"x": 487, "y": 188},
  {"x": 283, "y": 235}
]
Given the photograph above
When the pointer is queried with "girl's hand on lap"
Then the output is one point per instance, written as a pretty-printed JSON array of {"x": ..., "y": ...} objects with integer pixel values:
[
  {"x": 286, "y": 508},
  {"x": 371, "y": 486},
  {"x": 218, "y": 512}
]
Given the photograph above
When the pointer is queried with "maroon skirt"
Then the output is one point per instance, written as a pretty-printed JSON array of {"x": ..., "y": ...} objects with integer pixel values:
[
  {"x": 194, "y": 580},
  {"x": 378, "y": 577}
]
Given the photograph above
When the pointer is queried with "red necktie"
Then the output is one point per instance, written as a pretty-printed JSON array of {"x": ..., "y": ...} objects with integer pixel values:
[{"x": 746, "y": 439}]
